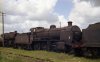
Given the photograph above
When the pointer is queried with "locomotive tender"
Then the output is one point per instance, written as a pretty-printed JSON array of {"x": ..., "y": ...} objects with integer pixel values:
[
  {"x": 65, "y": 39},
  {"x": 91, "y": 39}
]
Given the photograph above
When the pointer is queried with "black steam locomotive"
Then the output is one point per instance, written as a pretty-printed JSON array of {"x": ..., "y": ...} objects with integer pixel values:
[{"x": 66, "y": 39}]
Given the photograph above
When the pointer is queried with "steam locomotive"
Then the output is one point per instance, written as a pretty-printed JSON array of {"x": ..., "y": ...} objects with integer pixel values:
[{"x": 66, "y": 39}]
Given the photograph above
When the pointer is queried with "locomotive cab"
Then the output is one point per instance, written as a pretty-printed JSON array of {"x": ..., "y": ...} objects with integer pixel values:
[{"x": 9, "y": 39}]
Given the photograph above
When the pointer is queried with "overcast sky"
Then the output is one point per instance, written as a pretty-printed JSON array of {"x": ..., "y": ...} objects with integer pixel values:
[{"x": 21, "y": 15}]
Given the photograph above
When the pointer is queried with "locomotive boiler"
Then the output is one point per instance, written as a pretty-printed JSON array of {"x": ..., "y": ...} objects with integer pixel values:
[
  {"x": 45, "y": 39},
  {"x": 54, "y": 33}
]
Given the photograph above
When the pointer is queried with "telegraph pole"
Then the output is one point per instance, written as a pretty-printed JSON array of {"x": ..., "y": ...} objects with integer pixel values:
[
  {"x": 2, "y": 21},
  {"x": 3, "y": 24}
]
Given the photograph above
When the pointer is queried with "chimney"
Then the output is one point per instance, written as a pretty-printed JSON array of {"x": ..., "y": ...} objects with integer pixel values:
[{"x": 70, "y": 23}]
